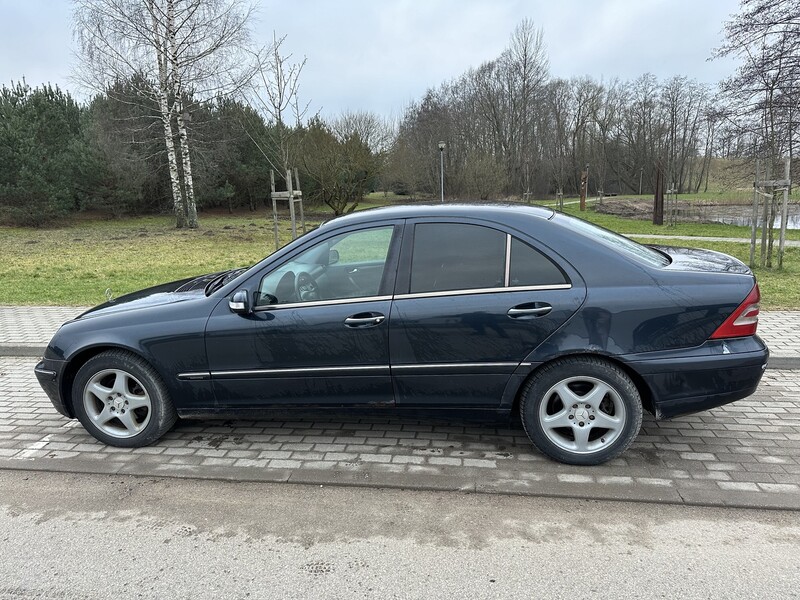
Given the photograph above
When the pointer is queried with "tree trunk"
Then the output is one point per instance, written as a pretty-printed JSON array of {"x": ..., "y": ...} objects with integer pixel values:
[
  {"x": 166, "y": 118},
  {"x": 178, "y": 203},
  {"x": 186, "y": 161},
  {"x": 191, "y": 206}
]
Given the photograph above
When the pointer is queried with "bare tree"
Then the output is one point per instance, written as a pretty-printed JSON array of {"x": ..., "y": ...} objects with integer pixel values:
[
  {"x": 762, "y": 97},
  {"x": 273, "y": 94},
  {"x": 198, "y": 48}
]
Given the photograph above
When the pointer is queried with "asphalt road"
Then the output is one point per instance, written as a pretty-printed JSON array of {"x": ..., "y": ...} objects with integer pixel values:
[{"x": 71, "y": 536}]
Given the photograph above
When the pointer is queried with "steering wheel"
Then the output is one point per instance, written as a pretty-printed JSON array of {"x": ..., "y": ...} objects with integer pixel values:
[{"x": 305, "y": 287}]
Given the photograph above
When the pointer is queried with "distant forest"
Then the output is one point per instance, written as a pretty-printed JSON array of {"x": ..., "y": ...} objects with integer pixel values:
[{"x": 172, "y": 136}]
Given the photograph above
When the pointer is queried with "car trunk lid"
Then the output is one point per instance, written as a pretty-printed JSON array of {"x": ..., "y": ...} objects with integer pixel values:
[{"x": 698, "y": 259}]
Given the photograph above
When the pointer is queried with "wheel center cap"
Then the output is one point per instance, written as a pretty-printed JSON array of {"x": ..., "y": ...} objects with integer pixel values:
[
  {"x": 581, "y": 414},
  {"x": 119, "y": 403}
]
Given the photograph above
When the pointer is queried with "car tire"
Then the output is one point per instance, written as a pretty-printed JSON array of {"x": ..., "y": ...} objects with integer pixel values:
[
  {"x": 581, "y": 410},
  {"x": 121, "y": 400}
]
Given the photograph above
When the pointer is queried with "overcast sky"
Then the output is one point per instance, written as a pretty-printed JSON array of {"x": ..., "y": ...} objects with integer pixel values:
[{"x": 380, "y": 54}]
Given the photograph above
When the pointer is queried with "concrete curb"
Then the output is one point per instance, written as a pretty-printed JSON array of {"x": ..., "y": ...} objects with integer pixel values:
[
  {"x": 784, "y": 363},
  {"x": 469, "y": 483},
  {"x": 21, "y": 351},
  {"x": 780, "y": 363}
]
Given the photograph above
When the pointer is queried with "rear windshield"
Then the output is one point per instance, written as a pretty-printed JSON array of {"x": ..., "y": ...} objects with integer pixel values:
[{"x": 618, "y": 242}]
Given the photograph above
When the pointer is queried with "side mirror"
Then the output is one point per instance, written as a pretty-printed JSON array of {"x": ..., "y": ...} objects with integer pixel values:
[
  {"x": 333, "y": 257},
  {"x": 240, "y": 303}
]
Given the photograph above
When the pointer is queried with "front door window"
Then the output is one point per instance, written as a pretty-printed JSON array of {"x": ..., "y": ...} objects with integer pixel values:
[{"x": 350, "y": 265}]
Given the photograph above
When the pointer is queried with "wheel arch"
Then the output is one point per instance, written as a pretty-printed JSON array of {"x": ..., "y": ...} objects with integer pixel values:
[
  {"x": 644, "y": 390},
  {"x": 80, "y": 358}
]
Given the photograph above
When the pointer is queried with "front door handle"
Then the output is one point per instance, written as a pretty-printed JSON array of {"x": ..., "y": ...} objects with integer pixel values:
[
  {"x": 364, "y": 320},
  {"x": 535, "y": 309}
]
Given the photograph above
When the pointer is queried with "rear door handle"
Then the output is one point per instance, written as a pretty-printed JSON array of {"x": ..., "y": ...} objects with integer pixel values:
[
  {"x": 364, "y": 320},
  {"x": 536, "y": 309}
]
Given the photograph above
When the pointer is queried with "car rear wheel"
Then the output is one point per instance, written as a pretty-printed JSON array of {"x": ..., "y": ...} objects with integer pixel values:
[
  {"x": 120, "y": 399},
  {"x": 581, "y": 410}
]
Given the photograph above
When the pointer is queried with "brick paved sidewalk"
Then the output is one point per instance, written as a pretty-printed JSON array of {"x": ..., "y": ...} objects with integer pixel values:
[
  {"x": 25, "y": 330},
  {"x": 744, "y": 454}
]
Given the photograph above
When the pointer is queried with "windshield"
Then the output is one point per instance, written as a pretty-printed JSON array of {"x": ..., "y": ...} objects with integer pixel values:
[{"x": 618, "y": 242}]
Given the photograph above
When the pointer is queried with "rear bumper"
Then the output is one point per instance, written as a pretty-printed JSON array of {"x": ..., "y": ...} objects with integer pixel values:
[
  {"x": 691, "y": 380},
  {"x": 49, "y": 373}
]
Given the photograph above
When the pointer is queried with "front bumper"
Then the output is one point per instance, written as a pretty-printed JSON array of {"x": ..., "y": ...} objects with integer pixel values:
[
  {"x": 50, "y": 374},
  {"x": 692, "y": 380}
]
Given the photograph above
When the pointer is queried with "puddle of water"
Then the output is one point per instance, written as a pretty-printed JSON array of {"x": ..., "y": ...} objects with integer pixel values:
[
  {"x": 793, "y": 221},
  {"x": 740, "y": 215}
]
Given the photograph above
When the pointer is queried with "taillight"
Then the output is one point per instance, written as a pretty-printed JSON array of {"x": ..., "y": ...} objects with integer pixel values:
[{"x": 743, "y": 321}]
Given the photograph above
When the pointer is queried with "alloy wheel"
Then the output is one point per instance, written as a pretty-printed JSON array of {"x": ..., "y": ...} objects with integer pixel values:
[
  {"x": 582, "y": 415},
  {"x": 117, "y": 403}
]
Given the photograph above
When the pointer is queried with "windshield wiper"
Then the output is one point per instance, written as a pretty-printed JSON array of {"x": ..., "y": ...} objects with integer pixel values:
[{"x": 221, "y": 279}]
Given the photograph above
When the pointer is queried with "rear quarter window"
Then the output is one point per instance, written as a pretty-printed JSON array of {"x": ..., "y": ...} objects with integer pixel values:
[{"x": 531, "y": 267}]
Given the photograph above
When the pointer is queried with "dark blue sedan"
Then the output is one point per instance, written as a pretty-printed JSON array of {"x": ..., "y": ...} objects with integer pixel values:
[{"x": 495, "y": 310}]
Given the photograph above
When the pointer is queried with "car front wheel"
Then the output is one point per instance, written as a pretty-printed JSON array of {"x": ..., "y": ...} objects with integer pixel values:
[
  {"x": 581, "y": 410},
  {"x": 121, "y": 400}
]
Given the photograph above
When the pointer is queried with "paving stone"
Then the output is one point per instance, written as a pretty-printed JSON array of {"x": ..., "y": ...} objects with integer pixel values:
[
  {"x": 377, "y": 458},
  {"x": 275, "y": 454},
  {"x": 575, "y": 478},
  {"x": 250, "y": 463},
  {"x": 285, "y": 464},
  {"x": 699, "y": 455},
  {"x": 339, "y": 456},
  {"x": 739, "y": 486},
  {"x": 445, "y": 460},
  {"x": 615, "y": 480},
  {"x": 654, "y": 481},
  {"x": 218, "y": 462},
  {"x": 408, "y": 459},
  {"x": 783, "y": 488},
  {"x": 479, "y": 462}
]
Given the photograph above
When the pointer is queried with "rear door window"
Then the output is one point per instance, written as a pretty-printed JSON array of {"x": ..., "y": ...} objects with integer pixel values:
[{"x": 457, "y": 256}]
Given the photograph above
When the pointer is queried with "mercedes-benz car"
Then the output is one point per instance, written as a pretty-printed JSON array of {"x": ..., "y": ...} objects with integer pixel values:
[{"x": 490, "y": 310}]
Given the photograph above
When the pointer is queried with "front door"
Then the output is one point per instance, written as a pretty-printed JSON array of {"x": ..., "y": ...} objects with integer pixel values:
[{"x": 319, "y": 334}]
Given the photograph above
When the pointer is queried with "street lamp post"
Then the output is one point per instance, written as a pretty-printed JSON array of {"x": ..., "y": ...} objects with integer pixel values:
[{"x": 441, "y": 166}]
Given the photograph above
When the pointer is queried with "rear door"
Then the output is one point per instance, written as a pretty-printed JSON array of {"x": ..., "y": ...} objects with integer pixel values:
[{"x": 471, "y": 302}]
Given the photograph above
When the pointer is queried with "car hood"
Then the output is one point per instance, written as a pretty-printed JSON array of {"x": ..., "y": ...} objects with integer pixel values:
[
  {"x": 165, "y": 293},
  {"x": 698, "y": 259}
]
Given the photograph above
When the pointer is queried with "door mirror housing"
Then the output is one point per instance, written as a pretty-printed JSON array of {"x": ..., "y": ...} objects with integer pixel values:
[
  {"x": 240, "y": 303},
  {"x": 333, "y": 257}
]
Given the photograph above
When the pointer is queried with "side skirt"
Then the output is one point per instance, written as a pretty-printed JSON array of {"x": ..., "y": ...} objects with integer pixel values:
[{"x": 498, "y": 416}]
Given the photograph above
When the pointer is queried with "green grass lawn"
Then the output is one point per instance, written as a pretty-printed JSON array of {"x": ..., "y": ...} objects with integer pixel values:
[{"x": 75, "y": 264}]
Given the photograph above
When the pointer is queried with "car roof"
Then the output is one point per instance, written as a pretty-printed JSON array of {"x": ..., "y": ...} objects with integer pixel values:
[{"x": 500, "y": 212}]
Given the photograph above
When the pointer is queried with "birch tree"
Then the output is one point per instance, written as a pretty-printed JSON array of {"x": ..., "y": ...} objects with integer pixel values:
[{"x": 197, "y": 49}]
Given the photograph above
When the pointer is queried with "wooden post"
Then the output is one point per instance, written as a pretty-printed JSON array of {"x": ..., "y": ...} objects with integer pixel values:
[
  {"x": 784, "y": 211},
  {"x": 755, "y": 217},
  {"x": 291, "y": 202},
  {"x": 584, "y": 181},
  {"x": 297, "y": 187},
  {"x": 274, "y": 207},
  {"x": 658, "y": 198},
  {"x": 765, "y": 224}
]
